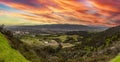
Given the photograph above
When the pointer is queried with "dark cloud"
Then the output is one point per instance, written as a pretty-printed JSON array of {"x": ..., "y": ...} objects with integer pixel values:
[{"x": 117, "y": 22}]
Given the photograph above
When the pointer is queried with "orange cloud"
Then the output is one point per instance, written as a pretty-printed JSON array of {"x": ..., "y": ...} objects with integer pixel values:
[
  {"x": 94, "y": 12},
  {"x": 108, "y": 5}
]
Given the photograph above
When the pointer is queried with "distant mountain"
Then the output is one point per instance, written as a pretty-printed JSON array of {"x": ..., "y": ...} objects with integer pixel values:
[
  {"x": 55, "y": 28},
  {"x": 113, "y": 30}
]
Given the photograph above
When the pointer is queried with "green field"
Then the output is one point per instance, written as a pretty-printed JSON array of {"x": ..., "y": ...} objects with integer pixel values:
[
  {"x": 8, "y": 54},
  {"x": 116, "y": 59}
]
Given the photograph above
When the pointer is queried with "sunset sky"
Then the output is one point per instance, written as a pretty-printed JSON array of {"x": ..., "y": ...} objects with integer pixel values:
[{"x": 85, "y": 12}]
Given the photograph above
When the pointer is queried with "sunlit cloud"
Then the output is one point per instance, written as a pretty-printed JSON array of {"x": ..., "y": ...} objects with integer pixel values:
[{"x": 86, "y": 12}]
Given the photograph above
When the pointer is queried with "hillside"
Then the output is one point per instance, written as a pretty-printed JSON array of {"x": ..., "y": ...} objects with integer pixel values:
[
  {"x": 111, "y": 35},
  {"x": 104, "y": 45},
  {"x": 7, "y": 53},
  {"x": 116, "y": 59}
]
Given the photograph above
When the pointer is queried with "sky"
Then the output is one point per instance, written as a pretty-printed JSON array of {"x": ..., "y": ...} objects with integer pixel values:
[{"x": 82, "y": 12}]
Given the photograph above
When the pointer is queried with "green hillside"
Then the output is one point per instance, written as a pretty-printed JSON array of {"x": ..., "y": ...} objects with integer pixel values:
[
  {"x": 8, "y": 54},
  {"x": 116, "y": 59}
]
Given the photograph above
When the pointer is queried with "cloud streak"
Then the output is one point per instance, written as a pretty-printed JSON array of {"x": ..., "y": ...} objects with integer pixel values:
[{"x": 87, "y": 12}]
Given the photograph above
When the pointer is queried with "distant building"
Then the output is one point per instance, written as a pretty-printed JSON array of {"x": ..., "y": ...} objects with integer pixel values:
[
  {"x": 17, "y": 32},
  {"x": 20, "y": 33}
]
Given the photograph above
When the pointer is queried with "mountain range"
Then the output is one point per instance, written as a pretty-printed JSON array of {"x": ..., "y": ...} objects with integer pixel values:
[{"x": 55, "y": 28}]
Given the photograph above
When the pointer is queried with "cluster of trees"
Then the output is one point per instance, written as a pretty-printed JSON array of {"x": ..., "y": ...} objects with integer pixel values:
[
  {"x": 5, "y": 31},
  {"x": 1, "y": 27}
]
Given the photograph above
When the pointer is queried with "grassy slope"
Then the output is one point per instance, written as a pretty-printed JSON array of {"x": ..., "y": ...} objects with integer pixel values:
[
  {"x": 8, "y": 54},
  {"x": 116, "y": 59}
]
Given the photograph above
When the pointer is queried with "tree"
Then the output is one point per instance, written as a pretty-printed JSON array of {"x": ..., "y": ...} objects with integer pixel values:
[
  {"x": 59, "y": 45},
  {"x": 2, "y": 27}
]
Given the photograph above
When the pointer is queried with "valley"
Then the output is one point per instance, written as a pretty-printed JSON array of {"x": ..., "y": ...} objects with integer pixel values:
[{"x": 72, "y": 46}]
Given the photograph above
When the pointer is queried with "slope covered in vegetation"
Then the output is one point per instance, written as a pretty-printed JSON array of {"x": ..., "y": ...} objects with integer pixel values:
[
  {"x": 116, "y": 59},
  {"x": 8, "y": 54}
]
